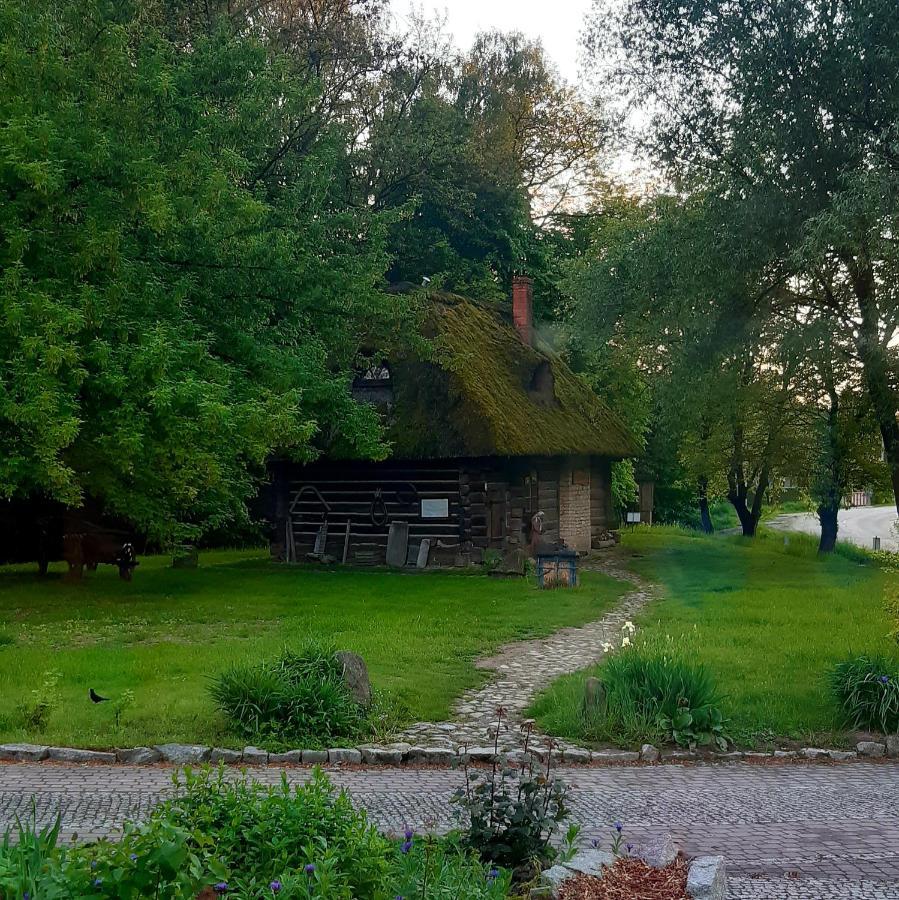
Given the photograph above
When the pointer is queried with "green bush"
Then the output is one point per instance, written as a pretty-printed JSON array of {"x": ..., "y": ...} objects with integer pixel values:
[
  {"x": 252, "y": 843},
  {"x": 301, "y": 696},
  {"x": 867, "y": 691},
  {"x": 653, "y": 687}
]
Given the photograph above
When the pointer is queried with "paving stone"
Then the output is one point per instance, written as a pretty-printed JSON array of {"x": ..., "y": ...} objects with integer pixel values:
[
  {"x": 138, "y": 756},
  {"x": 871, "y": 749},
  {"x": 74, "y": 755},
  {"x": 253, "y": 756},
  {"x": 707, "y": 878},
  {"x": 290, "y": 758},
  {"x": 184, "y": 754},
  {"x": 315, "y": 757},
  {"x": 648, "y": 753},
  {"x": 344, "y": 756},
  {"x": 24, "y": 752},
  {"x": 223, "y": 755}
]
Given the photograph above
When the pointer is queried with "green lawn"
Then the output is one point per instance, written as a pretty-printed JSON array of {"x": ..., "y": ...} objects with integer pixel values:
[
  {"x": 769, "y": 620},
  {"x": 163, "y": 634}
]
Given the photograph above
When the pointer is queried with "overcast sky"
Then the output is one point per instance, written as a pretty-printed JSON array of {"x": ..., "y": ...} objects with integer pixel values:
[{"x": 556, "y": 22}]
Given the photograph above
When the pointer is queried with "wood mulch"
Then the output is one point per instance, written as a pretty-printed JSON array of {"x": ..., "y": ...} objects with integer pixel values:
[{"x": 630, "y": 879}]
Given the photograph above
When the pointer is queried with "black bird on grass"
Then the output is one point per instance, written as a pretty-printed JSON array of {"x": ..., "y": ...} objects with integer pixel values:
[{"x": 96, "y": 698}]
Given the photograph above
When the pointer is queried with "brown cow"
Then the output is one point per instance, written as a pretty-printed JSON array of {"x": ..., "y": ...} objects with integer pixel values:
[{"x": 92, "y": 548}]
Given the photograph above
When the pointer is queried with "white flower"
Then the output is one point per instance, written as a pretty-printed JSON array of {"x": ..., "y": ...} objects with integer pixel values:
[
  {"x": 628, "y": 626},
  {"x": 626, "y": 642},
  {"x": 606, "y": 647}
]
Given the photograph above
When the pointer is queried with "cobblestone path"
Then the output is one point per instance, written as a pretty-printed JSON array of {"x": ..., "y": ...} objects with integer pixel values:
[
  {"x": 524, "y": 668},
  {"x": 789, "y": 832}
]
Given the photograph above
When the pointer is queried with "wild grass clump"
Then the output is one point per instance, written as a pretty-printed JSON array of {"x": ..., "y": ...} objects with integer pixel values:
[
  {"x": 655, "y": 686},
  {"x": 867, "y": 691},
  {"x": 300, "y": 696}
]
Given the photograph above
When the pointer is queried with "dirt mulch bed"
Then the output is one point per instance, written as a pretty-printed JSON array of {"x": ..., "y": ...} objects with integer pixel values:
[{"x": 630, "y": 879}]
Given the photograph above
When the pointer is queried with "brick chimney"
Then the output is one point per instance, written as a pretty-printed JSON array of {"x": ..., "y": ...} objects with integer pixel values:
[{"x": 523, "y": 307}]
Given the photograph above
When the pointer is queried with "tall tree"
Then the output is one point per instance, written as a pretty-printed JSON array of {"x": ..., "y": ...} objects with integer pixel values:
[
  {"x": 183, "y": 288},
  {"x": 788, "y": 110}
]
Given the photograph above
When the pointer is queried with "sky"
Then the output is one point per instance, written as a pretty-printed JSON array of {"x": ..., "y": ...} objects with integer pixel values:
[{"x": 556, "y": 22}]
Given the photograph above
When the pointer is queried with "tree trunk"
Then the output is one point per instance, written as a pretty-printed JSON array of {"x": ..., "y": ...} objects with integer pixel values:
[
  {"x": 705, "y": 518},
  {"x": 828, "y": 516},
  {"x": 876, "y": 363}
]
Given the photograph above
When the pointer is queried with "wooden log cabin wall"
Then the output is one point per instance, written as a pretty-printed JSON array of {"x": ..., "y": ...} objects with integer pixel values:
[{"x": 487, "y": 429}]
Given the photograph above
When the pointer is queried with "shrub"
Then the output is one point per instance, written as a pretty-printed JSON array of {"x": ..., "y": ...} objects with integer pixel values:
[
  {"x": 652, "y": 686},
  {"x": 299, "y": 696},
  {"x": 867, "y": 691},
  {"x": 512, "y": 813},
  {"x": 264, "y": 834},
  {"x": 35, "y": 711}
]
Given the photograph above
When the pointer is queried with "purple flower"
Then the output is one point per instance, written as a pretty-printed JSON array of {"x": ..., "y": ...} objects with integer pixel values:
[
  {"x": 594, "y": 843},
  {"x": 630, "y": 847},
  {"x": 221, "y": 887},
  {"x": 409, "y": 833},
  {"x": 493, "y": 874},
  {"x": 406, "y": 847},
  {"x": 133, "y": 857},
  {"x": 884, "y": 679},
  {"x": 275, "y": 887},
  {"x": 98, "y": 882},
  {"x": 26, "y": 896},
  {"x": 309, "y": 868},
  {"x": 618, "y": 827}
]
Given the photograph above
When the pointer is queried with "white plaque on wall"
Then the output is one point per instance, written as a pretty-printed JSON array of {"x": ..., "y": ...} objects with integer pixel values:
[{"x": 435, "y": 509}]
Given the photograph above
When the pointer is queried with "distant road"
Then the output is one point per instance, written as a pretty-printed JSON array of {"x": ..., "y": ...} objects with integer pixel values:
[{"x": 859, "y": 525}]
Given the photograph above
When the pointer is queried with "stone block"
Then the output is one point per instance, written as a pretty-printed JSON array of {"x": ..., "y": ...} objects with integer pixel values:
[
  {"x": 73, "y": 755},
  {"x": 814, "y": 753},
  {"x": 138, "y": 756},
  {"x": 707, "y": 878},
  {"x": 892, "y": 745},
  {"x": 648, "y": 753},
  {"x": 871, "y": 749},
  {"x": 432, "y": 756},
  {"x": 24, "y": 752},
  {"x": 616, "y": 756},
  {"x": 222, "y": 755},
  {"x": 480, "y": 754},
  {"x": 344, "y": 756},
  {"x": 381, "y": 756},
  {"x": 184, "y": 754},
  {"x": 658, "y": 851},
  {"x": 355, "y": 676},
  {"x": 576, "y": 755},
  {"x": 590, "y": 862},
  {"x": 315, "y": 757},
  {"x": 842, "y": 755},
  {"x": 253, "y": 756},
  {"x": 290, "y": 758}
]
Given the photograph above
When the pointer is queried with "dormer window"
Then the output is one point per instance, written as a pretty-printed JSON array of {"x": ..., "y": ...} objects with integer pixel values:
[
  {"x": 374, "y": 384},
  {"x": 542, "y": 388}
]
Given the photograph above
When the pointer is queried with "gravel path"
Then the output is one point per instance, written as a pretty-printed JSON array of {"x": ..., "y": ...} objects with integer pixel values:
[
  {"x": 789, "y": 832},
  {"x": 524, "y": 668}
]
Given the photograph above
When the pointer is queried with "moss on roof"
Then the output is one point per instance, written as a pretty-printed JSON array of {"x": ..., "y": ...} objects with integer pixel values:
[{"x": 476, "y": 395}]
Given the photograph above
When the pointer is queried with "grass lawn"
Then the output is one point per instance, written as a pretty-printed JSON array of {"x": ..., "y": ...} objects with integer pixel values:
[
  {"x": 770, "y": 620},
  {"x": 163, "y": 634}
]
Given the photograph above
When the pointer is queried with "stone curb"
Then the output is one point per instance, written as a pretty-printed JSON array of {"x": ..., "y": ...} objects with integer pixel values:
[
  {"x": 403, "y": 753},
  {"x": 707, "y": 878}
]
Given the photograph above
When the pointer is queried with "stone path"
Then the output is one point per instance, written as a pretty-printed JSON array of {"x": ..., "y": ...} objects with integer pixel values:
[
  {"x": 524, "y": 668},
  {"x": 789, "y": 832}
]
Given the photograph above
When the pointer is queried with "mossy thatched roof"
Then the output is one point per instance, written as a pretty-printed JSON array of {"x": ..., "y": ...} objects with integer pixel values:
[{"x": 482, "y": 392}]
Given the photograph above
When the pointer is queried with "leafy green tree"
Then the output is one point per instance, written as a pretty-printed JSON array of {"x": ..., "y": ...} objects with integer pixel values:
[
  {"x": 183, "y": 289},
  {"x": 786, "y": 111}
]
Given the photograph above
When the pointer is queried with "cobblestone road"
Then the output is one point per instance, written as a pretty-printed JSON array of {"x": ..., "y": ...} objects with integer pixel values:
[{"x": 789, "y": 832}]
